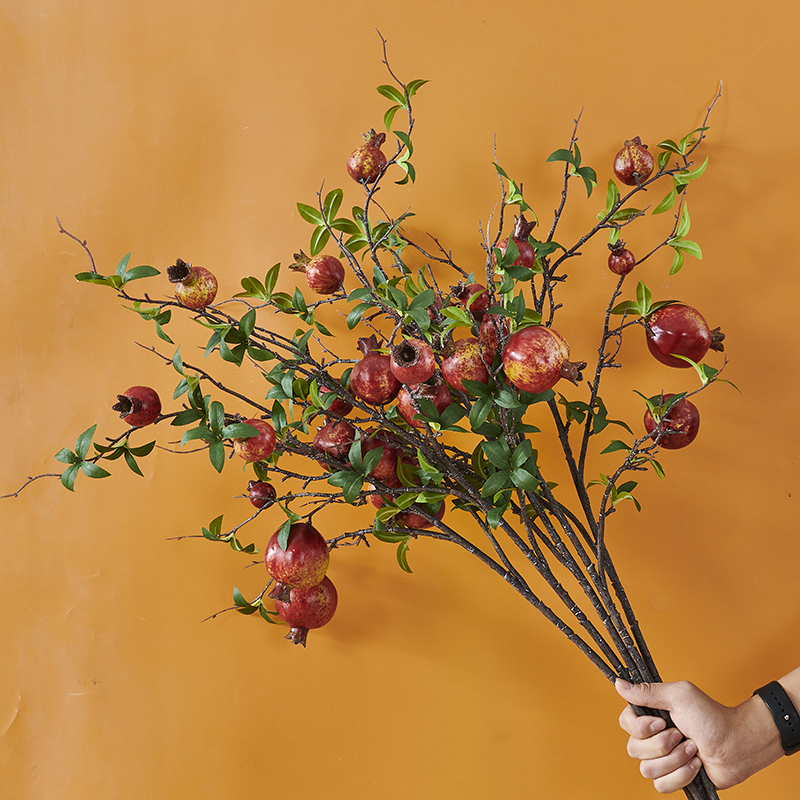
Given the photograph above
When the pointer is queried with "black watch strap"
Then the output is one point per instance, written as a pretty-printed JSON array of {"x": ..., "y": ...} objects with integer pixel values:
[{"x": 784, "y": 713}]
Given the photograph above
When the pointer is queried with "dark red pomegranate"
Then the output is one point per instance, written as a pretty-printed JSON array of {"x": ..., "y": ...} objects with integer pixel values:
[
  {"x": 366, "y": 162},
  {"x": 634, "y": 163},
  {"x": 386, "y": 468},
  {"x": 474, "y": 298},
  {"x": 261, "y": 493},
  {"x": 258, "y": 447},
  {"x": 522, "y": 230},
  {"x": 372, "y": 379},
  {"x": 195, "y": 287},
  {"x": 620, "y": 260},
  {"x": 339, "y": 405},
  {"x": 536, "y": 358},
  {"x": 680, "y": 330},
  {"x": 412, "y": 361},
  {"x": 308, "y": 608},
  {"x": 436, "y": 391},
  {"x": 305, "y": 560},
  {"x": 465, "y": 362},
  {"x": 680, "y": 424},
  {"x": 335, "y": 439},
  {"x": 324, "y": 274},
  {"x": 139, "y": 406},
  {"x": 488, "y": 334}
]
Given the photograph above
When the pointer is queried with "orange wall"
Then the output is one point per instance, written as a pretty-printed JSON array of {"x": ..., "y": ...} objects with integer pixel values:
[{"x": 191, "y": 129}]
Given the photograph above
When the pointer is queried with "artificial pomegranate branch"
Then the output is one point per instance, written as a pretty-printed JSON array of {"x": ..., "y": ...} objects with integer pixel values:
[{"x": 425, "y": 428}]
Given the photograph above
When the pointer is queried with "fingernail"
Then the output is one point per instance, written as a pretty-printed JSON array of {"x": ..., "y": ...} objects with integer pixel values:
[
  {"x": 657, "y": 725},
  {"x": 691, "y": 747}
]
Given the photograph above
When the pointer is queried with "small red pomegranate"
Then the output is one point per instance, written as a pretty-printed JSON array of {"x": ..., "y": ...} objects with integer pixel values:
[
  {"x": 139, "y": 406},
  {"x": 324, "y": 274},
  {"x": 339, "y": 405},
  {"x": 386, "y": 468},
  {"x": 474, "y": 298},
  {"x": 261, "y": 493},
  {"x": 536, "y": 358},
  {"x": 366, "y": 162},
  {"x": 634, "y": 164},
  {"x": 680, "y": 330},
  {"x": 305, "y": 560},
  {"x": 680, "y": 424},
  {"x": 335, "y": 439},
  {"x": 487, "y": 333},
  {"x": 306, "y": 609},
  {"x": 412, "y": 361},
  {"x": 195, "y": 287},
  {"x": 522, "y": 230},
  {"x": 372, "y": 379},
  {"x": 258, "y": 447},
  {"x": 465, "y": 362},
  {"x": 436, "y": 391},
  {"x": 620, "y": 260}
]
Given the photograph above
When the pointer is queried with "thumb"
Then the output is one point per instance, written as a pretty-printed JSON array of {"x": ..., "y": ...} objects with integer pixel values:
[{"x": 649, "y": 695}]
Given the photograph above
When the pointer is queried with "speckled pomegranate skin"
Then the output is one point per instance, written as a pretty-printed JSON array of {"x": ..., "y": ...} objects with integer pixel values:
[
  {"x": 533, "y": 358},
  {"x": 677, "y": 329}
]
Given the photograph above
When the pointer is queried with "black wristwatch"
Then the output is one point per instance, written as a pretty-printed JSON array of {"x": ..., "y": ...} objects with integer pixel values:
[{"x": 784, "y": 713}]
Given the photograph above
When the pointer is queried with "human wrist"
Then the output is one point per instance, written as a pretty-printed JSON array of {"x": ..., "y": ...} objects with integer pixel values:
[{"x": 758, "y": 738}]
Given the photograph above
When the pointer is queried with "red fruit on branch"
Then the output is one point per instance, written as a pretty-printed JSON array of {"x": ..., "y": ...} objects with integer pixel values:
[
  {"x": 678, "y": 427},
  {"x": 386, "y": 468},
  {"x": 258, "y": 447},
  {"x": 139, "y": 406},
  {"x": 339, "y": 406},
  {"x": 474, "y": 298},
  {"x": 324, "y": 274},
  {"x": 307, "y": 609},
  {"x": 435, "y": 391},
  {"x": 634, "y": 163},
  {"x": 536, "y": 358},
  {"x": 680, "y": 330},
  {"x": 305, "y": 560},
  {"x": 412, "y": 361},
  {"x": 411, "y": 519},
  {"x": 195, "y": 287},
  {"x": 620, "y": 260},
  {"x": 366, "y": 162},
  {"x": 261, "y": 493},
  {"x": 372, "y": 379},
  {"x": 335, "y": 439},
  {"x": 465, "y": 362},
  {"x": 488, "y": 333},
  {"x": 527, "y": 254}
]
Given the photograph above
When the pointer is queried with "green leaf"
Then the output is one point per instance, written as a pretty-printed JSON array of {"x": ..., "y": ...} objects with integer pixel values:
[
  {"x": 393, "y": 94},
  {"x": 614, "y": 446},
  {"x": 388, "y": 117},
  {"x": 247, "y": 323},
  {"x": 216, "y": 454},
  {"x": 66, "y": 456},
  {"x": 92, "y": 470},
  {"x": 216, "y": 417},
  {"x": 682, "y": 178},
  {"x": 310, "y": 214},
  {"x": 123, "y": 265},
  {"x": 667, "y": 203},
  {"x": 84, "y": 442},
  {"x": 524, "y": 479},
  {"x": 319, "y": 238},
  {"x": 495, "y": 483},
  {"x": 131, "y": 462},
  {"x": 331, "y": 204},
  {"x": 139, "y": 272},
  {"x": 687, "y": 247},
  {"x": 239, "y": 430},
  {"x": 68, "y": 476},
  {"x": 562, "y": 155},
  {"x": 402, "y": 554}
]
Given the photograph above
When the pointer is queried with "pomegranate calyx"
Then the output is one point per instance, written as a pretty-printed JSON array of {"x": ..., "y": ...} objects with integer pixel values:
[
  {"x": 573, "y": 371},
  {"x": 179, "y": 271},
  {"x": 301, "y": 260},
  {"x": 369, "y": 344},
  {"x": 373, "y": 138},
  {"x": 126, "y": 405},
  {"x": 717, "y": 339},
  {"x": 523, "y": 228},
  {"x": 617, "y": 247},
  {"x": 297, "y": 636},
  {"x": 282, "y": 592}
]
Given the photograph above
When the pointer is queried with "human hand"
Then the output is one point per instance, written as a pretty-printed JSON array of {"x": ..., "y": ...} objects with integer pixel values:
[{"x": 732, "y": 743}]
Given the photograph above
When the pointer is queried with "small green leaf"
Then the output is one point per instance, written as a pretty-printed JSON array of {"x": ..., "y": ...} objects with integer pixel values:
[
  {"x": 310, "y": 214},
  {"x": 68, "y": 476},
  {"x": 84, "y": 442},
  {"x": 402, "y": 554},
  {"x": 92, "y": 470},
  {"x": 393, "y": 94}
]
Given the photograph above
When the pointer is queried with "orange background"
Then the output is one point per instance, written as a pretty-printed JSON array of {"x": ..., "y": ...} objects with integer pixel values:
[{"x": 191, "y": 129}]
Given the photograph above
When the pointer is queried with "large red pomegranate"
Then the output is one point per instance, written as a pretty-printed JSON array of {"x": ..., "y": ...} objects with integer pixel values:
[
  {"x": 372, "y": 379},
  {"x": 465, "y": 362},
  {"x": 258, "y": 447},
  {"x": 366, "y": 162},
  {"x": 634, "y": 163},
  {"x": 138, "y": 406},
  {"x": 536, "y": 358},
  {"x": 324, "y": 274},
  {"x": 195, "y": 287},
  {"x": 678, "y": 427},
  {"x": 680, "y": 330},
  {"x": 335, "y": 439},
  {"x": 436, "y": 391},
  {"x": 522, "y": 230},
  {"x": 412, "y": 361},
  {"x": 305, "y": 560},
  {"x": 308, "y": 608}
]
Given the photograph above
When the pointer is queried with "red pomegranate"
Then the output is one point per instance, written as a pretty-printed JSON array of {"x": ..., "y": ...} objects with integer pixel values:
[
  {"x": 474, "y": 298},
  {"x": 258, "y": 447},
  {"x": 522, "y": 230},
  {"x": 411, "y": 519},
  {"x": 195, "y": 287},
  {"x": 339, "y": 405},
  {"x": 305, "y": 560},
  {"x": 536, "y": 358},
  {"x": 324, "y": 274},
  {"x": 436, "y": 391},
  {"x": 335, "y": 439},
  {"x": 488, "y": 334},
  {"x": 678, "y": 427},
  {"x": 372, "y": 379},
  {"x": 620, "y": 260},
  {"x": 261, "y": 493},
  {"x": 680, "y": 330},
  {"x": 634, "y": 163},
  {"x": 366, "y": 162},
  {"x": 412, "y": 361},
  {"x": 138, "y": 406},
  {"x": 465, "y": 362},
  {"x": 386, "y": 468},
  {"x": 308, "y": 608}
]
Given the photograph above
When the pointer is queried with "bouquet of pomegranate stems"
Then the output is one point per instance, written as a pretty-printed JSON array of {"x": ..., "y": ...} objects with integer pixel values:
[{"x": 428, "y": 430}]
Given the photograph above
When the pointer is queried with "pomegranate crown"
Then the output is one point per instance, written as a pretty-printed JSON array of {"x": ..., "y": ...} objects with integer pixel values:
[{"x": 179, "y": 271}]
